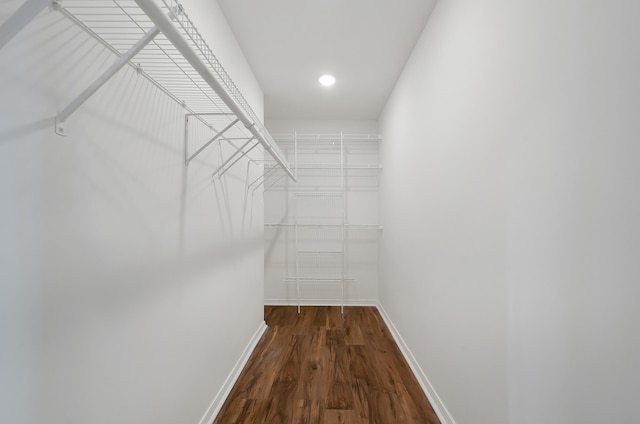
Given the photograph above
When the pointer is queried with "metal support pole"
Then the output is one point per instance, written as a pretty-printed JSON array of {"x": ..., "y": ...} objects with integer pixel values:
[
  {"x": 217, "y": 136},
  {"x": 230, "y": 158},
  {"x": 25, "y": 14},
  {"x": 113, "y": 69}
]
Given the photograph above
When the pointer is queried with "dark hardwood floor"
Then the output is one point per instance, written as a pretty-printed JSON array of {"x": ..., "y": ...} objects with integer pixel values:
[{"x": 323, "y": 367}]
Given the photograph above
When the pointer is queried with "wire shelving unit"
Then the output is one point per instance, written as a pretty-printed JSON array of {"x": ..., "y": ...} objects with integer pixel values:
[
  {"x": 329, "y": 168},
  {"x": 158, "y": 39}
]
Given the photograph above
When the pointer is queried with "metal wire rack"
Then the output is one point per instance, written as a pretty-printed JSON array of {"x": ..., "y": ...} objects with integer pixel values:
[
  {"x": 162, "y": 43},
  {"x": 313, "y": 213}
]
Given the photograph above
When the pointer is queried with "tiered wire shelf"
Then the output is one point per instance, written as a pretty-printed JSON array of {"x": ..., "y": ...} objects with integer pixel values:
[{"x": 328, "y": 168}]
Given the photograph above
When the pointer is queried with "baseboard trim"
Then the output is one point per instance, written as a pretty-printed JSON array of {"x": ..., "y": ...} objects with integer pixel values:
[
  {"x": 320, "y": 302},
  {"x": 439, "y": 408},
  {"x": 223, "y": 393}
]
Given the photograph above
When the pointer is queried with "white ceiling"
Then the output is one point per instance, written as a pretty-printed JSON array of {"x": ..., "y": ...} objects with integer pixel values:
[{"x": 290, "y": 43}]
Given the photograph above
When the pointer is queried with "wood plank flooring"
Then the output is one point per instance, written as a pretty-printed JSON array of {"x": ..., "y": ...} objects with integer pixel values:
[{"x": 322, "y": 367}]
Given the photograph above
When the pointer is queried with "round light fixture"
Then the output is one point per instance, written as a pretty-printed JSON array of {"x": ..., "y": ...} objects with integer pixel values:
[{"x": 327, "y": 80}]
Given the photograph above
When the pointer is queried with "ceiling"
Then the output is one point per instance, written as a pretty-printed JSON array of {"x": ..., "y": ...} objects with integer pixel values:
[{"x": 290, "y": 43}]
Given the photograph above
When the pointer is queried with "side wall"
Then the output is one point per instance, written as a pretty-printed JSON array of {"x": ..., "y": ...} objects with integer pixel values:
[
  {"x": 509, "y": 202},
  {"x": 115, "y": 307}
]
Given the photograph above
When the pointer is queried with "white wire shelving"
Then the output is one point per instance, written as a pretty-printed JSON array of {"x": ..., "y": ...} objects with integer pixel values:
[
  {"x": 158, "y": 39},
  {"x": 313, "y": 160},
  {"x": 312, "y": 219}
]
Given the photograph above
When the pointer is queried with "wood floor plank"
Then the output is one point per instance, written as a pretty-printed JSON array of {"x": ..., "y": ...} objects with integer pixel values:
[
  {"x": 353, "y": 335},
  {"x": 336, "y": 337},
  {"x": 291, "y": 361},
  {"x": 281, "y": 406},
  {"x": 325, "y": 367},
  {"x": 340, "y": 395},
  {"x": 312, "y": 382},
  {"x": 316, "y": 415},
  {"x": 360, "y": 390},
  {"x": 301, "y": 411},
  {"x": 385, "y": 408}
]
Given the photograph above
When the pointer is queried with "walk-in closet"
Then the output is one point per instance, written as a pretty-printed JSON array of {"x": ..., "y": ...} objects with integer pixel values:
[{"x": 319, "y": 211}]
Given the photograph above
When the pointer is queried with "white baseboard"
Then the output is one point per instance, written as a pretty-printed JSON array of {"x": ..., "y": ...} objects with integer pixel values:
[
  {"x": 224, "y": 391},
  {"x": 439, "y": 408},
  {"x": 320, "y": 302}
]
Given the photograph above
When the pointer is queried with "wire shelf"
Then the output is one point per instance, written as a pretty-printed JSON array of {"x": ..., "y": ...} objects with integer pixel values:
[
  {"x": 121, "y": 23},
  {"x": 177, "y": 60}
]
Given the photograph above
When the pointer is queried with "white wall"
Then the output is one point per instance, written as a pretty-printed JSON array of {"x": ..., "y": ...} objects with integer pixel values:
[
  {"x": 361, "y": 208},
  {"x": 310, "y": 126},
  {"x": 102, "y": 318},
  {"x": 509, "y": 256}
]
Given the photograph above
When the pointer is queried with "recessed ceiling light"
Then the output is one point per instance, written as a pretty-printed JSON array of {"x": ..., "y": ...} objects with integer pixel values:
[{"x": 327, "y": 80}]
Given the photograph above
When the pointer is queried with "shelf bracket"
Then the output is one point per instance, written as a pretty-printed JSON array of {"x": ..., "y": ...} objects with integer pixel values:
[
  {"x": 25, "y": 14},
  {"x": 215, "y": 137},
  {"x": 113, "y": 69},
  {"x": 224, "y": 168}
]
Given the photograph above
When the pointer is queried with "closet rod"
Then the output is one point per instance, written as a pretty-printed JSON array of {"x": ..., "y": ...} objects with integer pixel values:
[{"x": 155, "y": 13}]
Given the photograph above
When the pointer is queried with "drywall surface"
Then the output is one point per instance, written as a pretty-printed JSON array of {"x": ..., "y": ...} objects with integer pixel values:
[
  {"x": 509, "y": 201},
  {"x": 283, "y": 205},
  {"x": 128, "y": 289}
]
